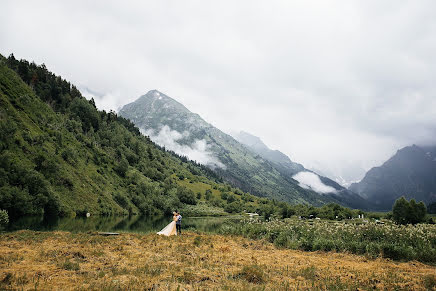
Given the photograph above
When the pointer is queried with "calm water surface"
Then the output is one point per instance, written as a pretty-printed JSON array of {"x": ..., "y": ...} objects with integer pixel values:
[{"x": 138, "y": 224}]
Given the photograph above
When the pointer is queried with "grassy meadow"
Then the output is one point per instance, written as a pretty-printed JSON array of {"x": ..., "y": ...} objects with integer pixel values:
[
  {"x": 86, "y": 261},
  {"x": 369, "y": 238}
]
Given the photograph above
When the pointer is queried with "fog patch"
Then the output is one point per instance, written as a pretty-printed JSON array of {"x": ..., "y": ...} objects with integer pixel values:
[
  {"x": 198, "y": 151},
  {"x": 309, "y": 180}
]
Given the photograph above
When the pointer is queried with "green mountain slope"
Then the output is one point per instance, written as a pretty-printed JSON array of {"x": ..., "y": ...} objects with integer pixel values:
[
  {"x": 170, "y": 123},
  {"x": 289, "y": 168},
  {"x": 61, "y": 156}
]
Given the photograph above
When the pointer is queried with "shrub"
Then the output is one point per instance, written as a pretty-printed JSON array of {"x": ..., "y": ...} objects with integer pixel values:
[
  {"x": 121, "y": 200},
  {"x": 233, "y": 207},
  {"x": 324, "y": 245},
  {"x": 309, "y": 273},
  {"x": 224, "y": 195},
  {"x": 430, "y": 282},
  {"x": 70, "y": 266},
  {"x": 231, "y": 198},
  {"x": 253, "y": 274},
  {"x": 404, "y": 212},
  {"x": 122, "y": 167},
  {"x": 197, "y": 241},
  {"x": 186, "y": 196},
  {"x": 4, "y": 218},
  {"x": 431, "y": 208},
  {"x": 208, "y": 194},
  {"x": 398, "y": 242}
]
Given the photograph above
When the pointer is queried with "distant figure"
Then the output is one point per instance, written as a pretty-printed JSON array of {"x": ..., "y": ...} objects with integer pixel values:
[
  {"x": 179, "y": 224},
  {"x": 171, "y": 228}
]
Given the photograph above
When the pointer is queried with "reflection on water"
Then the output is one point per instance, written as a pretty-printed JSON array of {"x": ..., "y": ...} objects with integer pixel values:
[{"x": 139, "y": 224}]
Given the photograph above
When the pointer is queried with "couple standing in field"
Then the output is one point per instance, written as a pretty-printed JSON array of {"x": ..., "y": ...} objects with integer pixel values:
[{"x": 175, "y": 226}]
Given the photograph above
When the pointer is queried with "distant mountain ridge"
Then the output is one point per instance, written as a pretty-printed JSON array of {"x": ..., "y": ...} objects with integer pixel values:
[
  {"x": 411, "y": 172},
  {"x": 287, "y": 167},
  {"x": 276, "y": 156},
  {"x": 256, "y": 169}
]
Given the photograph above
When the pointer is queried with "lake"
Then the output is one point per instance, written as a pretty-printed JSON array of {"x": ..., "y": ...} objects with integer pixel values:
[{"x": 137, "y": 224}]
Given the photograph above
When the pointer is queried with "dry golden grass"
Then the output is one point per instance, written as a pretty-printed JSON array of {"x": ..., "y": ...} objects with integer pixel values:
[{"x": 62, "y": 260}]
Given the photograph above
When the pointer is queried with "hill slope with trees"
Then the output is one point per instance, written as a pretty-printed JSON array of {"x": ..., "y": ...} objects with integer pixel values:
[{"x": 62, "y": 156}]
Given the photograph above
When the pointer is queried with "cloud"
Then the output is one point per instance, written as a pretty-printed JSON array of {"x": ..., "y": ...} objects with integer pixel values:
[
  {"x": 326, "y": 82},
  {"x": 309, "y": 180},
  {"x": 198, "y": 151},
  {"x": 103, "y": 101}
]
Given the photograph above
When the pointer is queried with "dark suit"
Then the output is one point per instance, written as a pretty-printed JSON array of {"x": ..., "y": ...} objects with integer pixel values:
[{"x": 179, "y": 224}]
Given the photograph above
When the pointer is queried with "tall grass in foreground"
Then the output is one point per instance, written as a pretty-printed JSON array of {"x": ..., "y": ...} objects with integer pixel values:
[
  {"x": 392, "y": 241},
  {"x": 32, "y": 260}
]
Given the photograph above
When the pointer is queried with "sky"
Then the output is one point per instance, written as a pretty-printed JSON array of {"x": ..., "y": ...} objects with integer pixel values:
[{"x": 338, "y": 86}]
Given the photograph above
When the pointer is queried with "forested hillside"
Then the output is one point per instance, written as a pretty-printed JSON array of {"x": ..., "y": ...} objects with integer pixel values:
[
  {"x": 170, "y": 121},
  {"x": 62, "y": 156}
]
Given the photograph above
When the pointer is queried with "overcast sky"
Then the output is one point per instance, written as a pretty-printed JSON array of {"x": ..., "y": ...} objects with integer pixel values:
[{"x": 336, "y": 85}]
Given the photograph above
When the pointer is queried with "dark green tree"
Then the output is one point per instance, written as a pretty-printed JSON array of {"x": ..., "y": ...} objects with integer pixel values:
[
  {"x": 208, "y": 194},
  {"x": 186, "y": 196},
  {"x": 122, "y": 167},
  {"x": 431, "y": 208},
  {"x": 233, "y": 207},
  {"x": 404, "y": 212},
  {"x": 86, "y": 112}
]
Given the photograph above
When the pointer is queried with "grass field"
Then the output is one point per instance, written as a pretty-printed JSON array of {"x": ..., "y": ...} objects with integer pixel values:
[
  {"x": 387, "y": 240},
  {"x": 63, "y": 260}
]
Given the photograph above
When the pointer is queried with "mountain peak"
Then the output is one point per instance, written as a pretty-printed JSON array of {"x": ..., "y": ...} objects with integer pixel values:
[
  {"x": 156, "y": 95},
  {"x": 410, "y": 173},
  {"x": 156, "y": 99},
  {"x": 156, "y": 109}
]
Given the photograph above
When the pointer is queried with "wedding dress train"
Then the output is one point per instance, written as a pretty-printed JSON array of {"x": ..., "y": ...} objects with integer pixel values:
[{"x": 168, "y": 230}]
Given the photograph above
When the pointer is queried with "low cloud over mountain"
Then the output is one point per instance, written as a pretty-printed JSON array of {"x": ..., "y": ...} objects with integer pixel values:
[
  {"x": 309, "y": 180},
  {"x": 197, "y": 151}
]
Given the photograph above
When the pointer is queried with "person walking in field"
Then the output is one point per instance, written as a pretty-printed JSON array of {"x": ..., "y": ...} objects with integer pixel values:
[{"x": 179, "y": 224}]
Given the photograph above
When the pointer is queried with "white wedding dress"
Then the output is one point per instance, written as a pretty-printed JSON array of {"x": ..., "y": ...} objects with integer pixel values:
[{"x": 168, "y": 230}]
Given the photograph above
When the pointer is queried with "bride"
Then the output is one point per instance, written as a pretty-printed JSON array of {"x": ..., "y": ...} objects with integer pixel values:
[{"x": 170, "y": 229}]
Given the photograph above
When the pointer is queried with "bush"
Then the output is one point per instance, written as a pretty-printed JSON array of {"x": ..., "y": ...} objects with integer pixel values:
[
  {"x": 233, "y": 207},
  {"x": 186, "y": 196},
  {"x": 4, "y": 218},
  {"x": 430, "y": 282},
  {"x": 122, "y": 167},
  {"x": 404, "y": 212},
  {"x": 322, "y": 244},
  {"x": 253, "y": 274},
  {"x": 231, "y": 198},
  {"x": 208, "y": 194},
  {"x": 71, "y": 266},
  {"x": 121, "y": 200},
  {"x": 431, "y": 208},
  {"x": 224, "y": 195},
  {"x": 197, "y": 241},
  {"x": 398, "y": 242}
]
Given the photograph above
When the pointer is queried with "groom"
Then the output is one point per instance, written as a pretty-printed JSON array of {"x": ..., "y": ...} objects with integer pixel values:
[{"x": 179, "y": 224}]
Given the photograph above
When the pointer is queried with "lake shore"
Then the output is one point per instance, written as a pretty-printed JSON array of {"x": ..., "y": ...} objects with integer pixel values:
[{"x": 64, "y": 260}]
